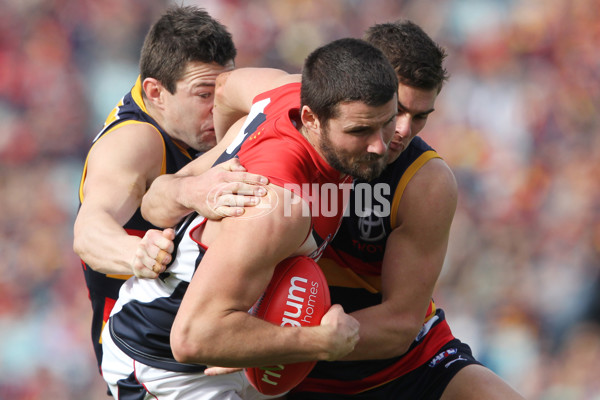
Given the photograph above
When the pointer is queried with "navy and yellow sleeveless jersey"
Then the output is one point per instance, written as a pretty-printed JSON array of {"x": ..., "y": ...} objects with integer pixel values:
[
  {"x": 104, "y": 289},
  {"x": 352, "y": 265},
  {"x": 360, "y": 242}
]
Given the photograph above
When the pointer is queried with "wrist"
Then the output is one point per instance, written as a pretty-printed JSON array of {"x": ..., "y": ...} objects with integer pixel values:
[{"x": 315, "y": 341}]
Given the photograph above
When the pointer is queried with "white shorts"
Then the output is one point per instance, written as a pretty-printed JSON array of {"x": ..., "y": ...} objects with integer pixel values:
[{"x": 141, "y": 382}]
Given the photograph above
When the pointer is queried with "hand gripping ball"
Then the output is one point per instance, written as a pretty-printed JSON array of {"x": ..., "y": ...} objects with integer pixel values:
[{"x": 297, "y": 295}]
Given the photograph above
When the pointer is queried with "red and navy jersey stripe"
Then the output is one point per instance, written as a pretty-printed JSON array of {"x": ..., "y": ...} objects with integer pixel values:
[{"x": 353, "y": 377}]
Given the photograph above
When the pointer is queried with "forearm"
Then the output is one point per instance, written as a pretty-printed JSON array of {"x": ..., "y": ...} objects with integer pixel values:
[
  {"x": 105, "y": 247},
  {"x": 382, "y": 334},
  {"x": 213, "y": 326},
  {"x": 241, "y": 340},
  {"x": 162, "y": 204}
]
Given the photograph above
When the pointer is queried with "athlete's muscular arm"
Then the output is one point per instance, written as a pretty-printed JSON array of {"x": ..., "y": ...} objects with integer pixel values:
[
  {"x": 213, "y": 325},
  {"x": 171, "y": 197},
  {"x": 194, "y": 187},
  {"x": 115, "y": 182},
  {"x": 114, "y": 185},
  {"x": 236, "y": 89},
  {"x": 414, "y": 256}
]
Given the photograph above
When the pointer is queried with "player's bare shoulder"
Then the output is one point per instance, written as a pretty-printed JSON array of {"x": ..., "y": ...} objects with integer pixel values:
[{"x": 431, "y": 194}]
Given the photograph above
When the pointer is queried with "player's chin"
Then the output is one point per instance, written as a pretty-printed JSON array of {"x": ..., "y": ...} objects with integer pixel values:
[
  {"x": 369, "y": 171},
  {"x": 207, "y": 140},
  {"x": 392, "y": 155}
]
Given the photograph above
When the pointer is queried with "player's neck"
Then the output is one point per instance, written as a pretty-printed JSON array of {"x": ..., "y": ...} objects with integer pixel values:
[{"x": 310, "y": 137}]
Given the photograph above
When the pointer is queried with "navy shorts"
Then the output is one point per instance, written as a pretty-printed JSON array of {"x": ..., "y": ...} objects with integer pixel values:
[{"x": 427, "y": 382}]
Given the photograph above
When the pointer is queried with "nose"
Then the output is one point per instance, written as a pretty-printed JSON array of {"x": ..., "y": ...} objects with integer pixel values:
[
  {"x": 377, "y": 144},
  {"x": 403, "y": 126}
]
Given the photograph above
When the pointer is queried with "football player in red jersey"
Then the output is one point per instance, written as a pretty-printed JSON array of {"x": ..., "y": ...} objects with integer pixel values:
[{"x": 338, "y": 122}]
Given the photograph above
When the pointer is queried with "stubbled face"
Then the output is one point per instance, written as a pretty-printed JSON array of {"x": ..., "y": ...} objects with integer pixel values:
[
  {"x": 187, "y": 114},
  {"x": 414, "y": 107},
  {"x": 355, "y": 142}
]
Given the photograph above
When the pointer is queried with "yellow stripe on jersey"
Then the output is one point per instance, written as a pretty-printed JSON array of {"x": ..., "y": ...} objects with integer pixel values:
[
  {"x": 183, "y": 150},
  {"x": 113, "y": 114},
  {"x": 122, "y": 277},
  {"x": 345, "y": 277},
  {"x": 136, "y": 94},
  {"x": 431, "y": 310},
  {"x": 406, "y": 177}
]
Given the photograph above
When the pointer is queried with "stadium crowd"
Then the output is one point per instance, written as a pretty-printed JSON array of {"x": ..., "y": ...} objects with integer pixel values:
[{"x": 517, "y": 122}]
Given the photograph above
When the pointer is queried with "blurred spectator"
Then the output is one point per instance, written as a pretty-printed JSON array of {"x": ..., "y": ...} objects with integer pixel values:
[{"x": 517, "y": 122}]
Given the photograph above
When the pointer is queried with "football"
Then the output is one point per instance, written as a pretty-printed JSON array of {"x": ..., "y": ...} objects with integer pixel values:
[{"x": 297, "y": 295}]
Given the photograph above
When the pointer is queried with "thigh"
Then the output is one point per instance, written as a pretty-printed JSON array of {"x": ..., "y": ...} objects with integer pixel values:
[
  {"x": 168, "y": 385},
  {"x": 116, "y": 365},
  {"x": 130, "y": 379},
  {"x": 475, "y": 382}
]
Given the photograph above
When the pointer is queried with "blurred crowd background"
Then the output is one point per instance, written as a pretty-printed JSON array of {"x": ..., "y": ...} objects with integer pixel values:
[{"x": 518, "y": 123}]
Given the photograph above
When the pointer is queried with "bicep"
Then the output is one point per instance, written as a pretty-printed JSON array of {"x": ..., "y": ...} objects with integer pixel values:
[
  {"x": 416, "y": 249},
  {"x": 119, "y": 169},
  {"x": 239, "y": 87}
]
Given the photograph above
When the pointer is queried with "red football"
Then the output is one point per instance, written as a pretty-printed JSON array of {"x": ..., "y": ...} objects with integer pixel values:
[{"x": 297, "y": 295}]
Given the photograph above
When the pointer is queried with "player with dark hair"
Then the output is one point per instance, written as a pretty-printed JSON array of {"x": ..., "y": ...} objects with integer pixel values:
[
  {"x": 163, "y": 332},
  {"x": 384, "y": 262},
  {"x": 155, "y": 129}
]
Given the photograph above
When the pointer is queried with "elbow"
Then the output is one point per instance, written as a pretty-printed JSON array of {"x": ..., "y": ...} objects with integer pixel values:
[
  {"x": 188, "y": 349},
  {"x": 409, "y": 333},
  {"x": 184, "y": 350},
  {"x": 79, "y": 245},
  {"x": 405, "y": 335},
  {"x": 220, "y": 85}
]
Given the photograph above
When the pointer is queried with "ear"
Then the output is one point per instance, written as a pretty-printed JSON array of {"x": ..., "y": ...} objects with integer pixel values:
[
  {"x": 310, "y": 120},
  {"x": 153, "y": 91}
]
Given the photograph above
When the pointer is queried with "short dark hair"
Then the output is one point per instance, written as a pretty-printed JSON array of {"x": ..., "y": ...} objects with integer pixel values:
[
  {"x": 346, "y": 70},
  {"x": 183, "y": 34},
  {"x": 416, "y": 58}
]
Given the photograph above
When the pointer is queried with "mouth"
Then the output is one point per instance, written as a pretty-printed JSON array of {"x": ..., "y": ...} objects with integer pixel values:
[{"x": 396, "y": 146}]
